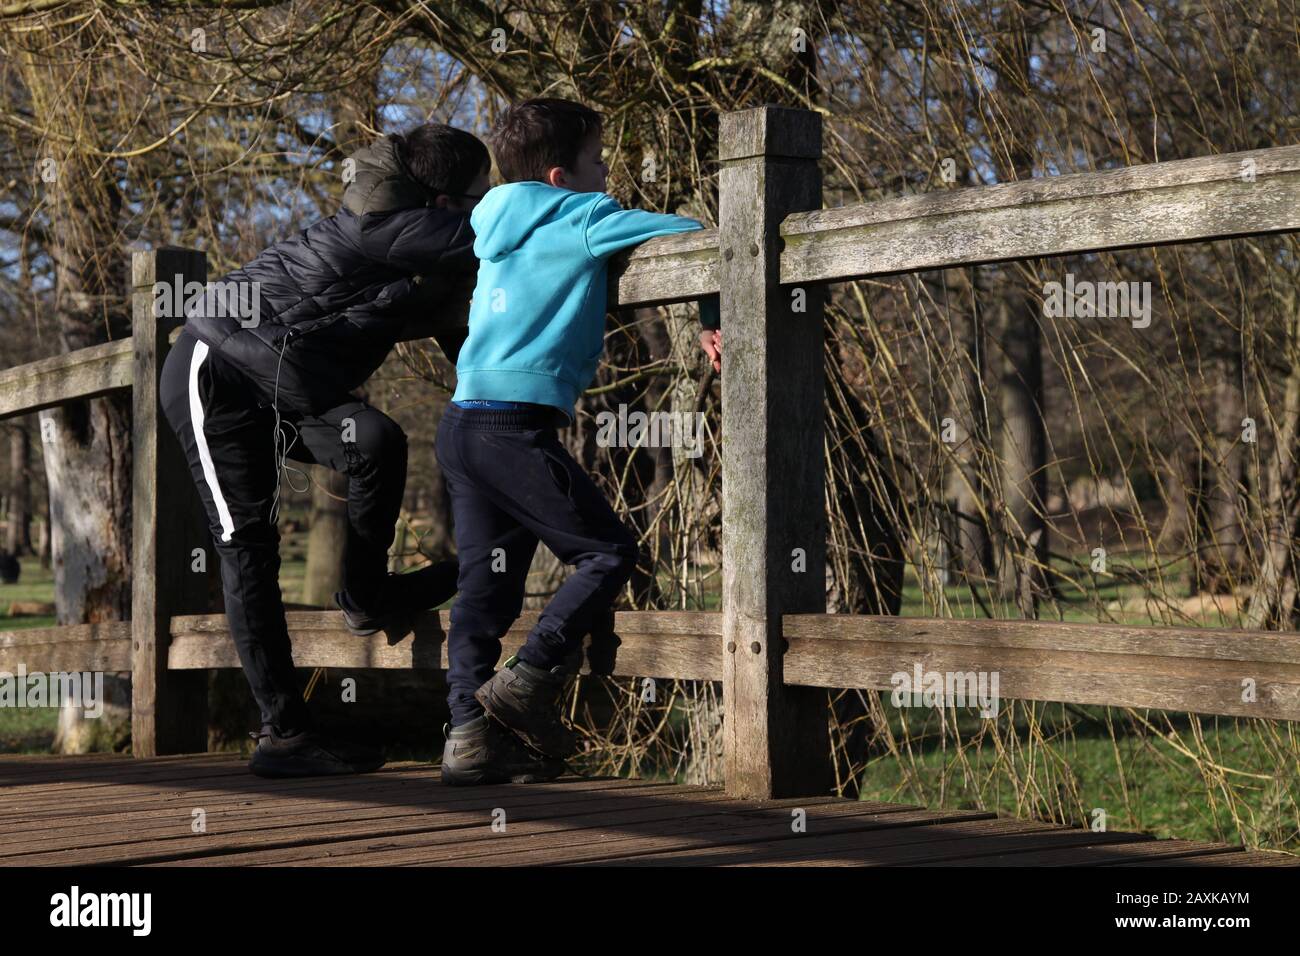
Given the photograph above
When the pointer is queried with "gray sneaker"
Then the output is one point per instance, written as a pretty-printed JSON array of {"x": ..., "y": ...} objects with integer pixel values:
[
  {"x": 483, "y": 752},
  {"x": 526, "y": 700}
]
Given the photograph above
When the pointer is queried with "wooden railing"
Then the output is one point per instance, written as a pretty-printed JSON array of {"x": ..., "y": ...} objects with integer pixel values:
[{"x": 770, "y": 646}]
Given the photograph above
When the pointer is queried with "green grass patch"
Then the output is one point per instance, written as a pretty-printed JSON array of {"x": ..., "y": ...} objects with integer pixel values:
[{"x": 1216, "y": 779}]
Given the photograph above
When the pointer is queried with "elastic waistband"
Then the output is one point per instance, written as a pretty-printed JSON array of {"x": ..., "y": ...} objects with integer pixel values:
[
  {"x": 502, "y": 420},
  {"x": 485, "y": 403}
]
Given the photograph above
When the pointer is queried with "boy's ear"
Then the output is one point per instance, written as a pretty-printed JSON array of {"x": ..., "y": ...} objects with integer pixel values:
[
  {"x": 555, "y": 177},
  {"x": 440, "y": 201}
]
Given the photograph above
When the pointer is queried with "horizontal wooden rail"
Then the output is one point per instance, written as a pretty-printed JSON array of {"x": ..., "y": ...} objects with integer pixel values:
[
  {"x": 1190, "y": 200},
  {"x": 1180, "y": 669},
  {"x": 681, "y": 645},
  {"x": 668, "y": 269},
  {"x": 1193, "y": 200},
  {"x": 1202, "y": 670},
  {"x": 85, "y": 373},
  {"x": 73, "y": 647}
]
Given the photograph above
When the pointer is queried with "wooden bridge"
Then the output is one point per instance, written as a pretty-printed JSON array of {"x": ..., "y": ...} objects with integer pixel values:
[
  {"x": 207, "y": 810},
  {"x": 771, "y": 647}
]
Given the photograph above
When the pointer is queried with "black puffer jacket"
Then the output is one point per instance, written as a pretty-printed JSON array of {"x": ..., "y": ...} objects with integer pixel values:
[{"x": 332, "y": 300}]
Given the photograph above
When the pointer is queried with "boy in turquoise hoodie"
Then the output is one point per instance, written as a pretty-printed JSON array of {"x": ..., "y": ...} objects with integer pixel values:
[{"x": 536, "y": 333}]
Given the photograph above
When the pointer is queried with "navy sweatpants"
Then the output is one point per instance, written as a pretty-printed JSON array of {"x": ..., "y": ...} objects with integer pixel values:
[{"x": 511, "y": 485}]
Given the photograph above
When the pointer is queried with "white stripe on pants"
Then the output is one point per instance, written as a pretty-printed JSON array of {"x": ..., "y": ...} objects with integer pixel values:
[{"x": 205, "y": 457}]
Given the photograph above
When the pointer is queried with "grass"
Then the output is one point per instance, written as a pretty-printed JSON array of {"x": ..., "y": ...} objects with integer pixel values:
[
  {"x": 27, "y": 730},
  {"x": 34, "y": 584},
  {"x": 1138, "y": 778}
]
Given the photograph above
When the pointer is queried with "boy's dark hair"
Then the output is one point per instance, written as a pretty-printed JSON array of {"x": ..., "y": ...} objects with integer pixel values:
[
  {"x": 442, "y": 158},
  {"x": 539, "y": 134}
]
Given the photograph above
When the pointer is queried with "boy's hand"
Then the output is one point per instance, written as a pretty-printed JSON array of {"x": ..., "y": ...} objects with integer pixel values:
[{"x": 711, "y": 342}]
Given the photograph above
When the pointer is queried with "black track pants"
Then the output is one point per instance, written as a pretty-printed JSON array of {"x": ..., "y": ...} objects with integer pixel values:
[{"x": 229, "y": 440}]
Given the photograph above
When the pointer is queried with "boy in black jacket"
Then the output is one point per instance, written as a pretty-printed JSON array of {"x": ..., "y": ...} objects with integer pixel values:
[{"x": 262, "y": 372}]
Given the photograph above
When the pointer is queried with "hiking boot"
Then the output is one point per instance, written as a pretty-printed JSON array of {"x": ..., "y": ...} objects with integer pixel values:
[
  {"x": 526, "y": 700},
  {"x": 405, "y": 594},
  {"x": 483, "y": 752},
  {"x": 308, "y": 754}
]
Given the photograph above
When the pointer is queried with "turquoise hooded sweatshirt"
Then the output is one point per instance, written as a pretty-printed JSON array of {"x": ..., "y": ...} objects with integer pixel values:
[{"x": 537, "y": 318}]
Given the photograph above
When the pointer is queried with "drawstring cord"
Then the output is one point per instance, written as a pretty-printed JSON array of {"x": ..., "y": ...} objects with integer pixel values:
[{"x": 284, "y": 442}]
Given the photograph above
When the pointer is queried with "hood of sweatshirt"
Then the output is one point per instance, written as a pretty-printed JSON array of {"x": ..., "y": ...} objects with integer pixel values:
[
  {"x": 507, "y": 215},
  {"x": 381, "y": 182}
]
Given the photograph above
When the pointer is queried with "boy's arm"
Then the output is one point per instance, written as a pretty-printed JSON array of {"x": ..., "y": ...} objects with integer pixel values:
[
  {"x": 438, "y": 249},
  {"x": 420, "y": 241},
  {"x": 611, "y": 228}
]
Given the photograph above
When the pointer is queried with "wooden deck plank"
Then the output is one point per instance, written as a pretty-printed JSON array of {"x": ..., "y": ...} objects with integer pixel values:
[
  {"x": 391, "y": 789},
  {"x": 442, "y": 808},
  {"x": 601, "y": 837},
  {"x": 943, "y": 840},
  {"x": 843, "y": 817},
  {"x": 1246, "y": 858},
  {"x": 247, "y": 785},
  {"x": 111, "y": 809},
  {"x": 57, "y": 766},
  {"x": 127, "y": 800},
  {"x": 1105, "y": 855},
  {"x": 382, "y": 807},
  {"x": 90, "y": 776},
  {"x": 557, "y": 823},
  {"x": 95, "y": 800},
  {"x": 1013, "y": 840}
]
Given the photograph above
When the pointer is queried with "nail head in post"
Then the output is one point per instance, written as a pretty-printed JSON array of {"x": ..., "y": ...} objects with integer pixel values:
[
  {"x": 731, "y": 647},
  {"x": 756, "y": 647}
]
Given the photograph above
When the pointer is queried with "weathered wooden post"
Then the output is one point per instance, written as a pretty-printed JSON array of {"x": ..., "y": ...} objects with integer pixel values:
[
  {"x": 776, "y": 740},
  {"x": 168, "y": 708}
]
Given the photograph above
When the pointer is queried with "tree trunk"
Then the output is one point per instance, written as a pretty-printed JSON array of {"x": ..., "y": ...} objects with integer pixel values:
[
  {"x": 1272, "y": 601},
  {"x": 88, "y": 470},
  {"x": 966, "y": 490},
  {"x": 43, "y": 542},
  {"x": 86, "y": 444},
  {"x": 1023, "y": 551},
  {"x": 18, "y": 540},
  {"x": 865, "y": 554},
  {"x": 1223, "y": 549},
  {"x": 1023, "y": 577},
  {"x": 1177, "y": 489},
  {"x": 327, "y": 536}
]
